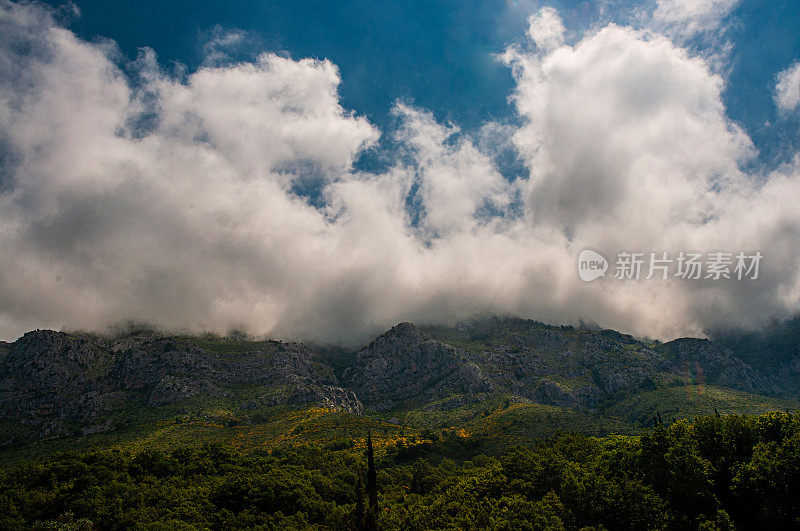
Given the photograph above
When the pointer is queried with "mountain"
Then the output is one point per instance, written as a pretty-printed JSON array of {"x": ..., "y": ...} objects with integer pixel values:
[
  {"x": 523, "y": 375},
  {"x": 406, "y": 364},
  {"x": 774, "y": 349},
  {"x": 54, "y": 381}
]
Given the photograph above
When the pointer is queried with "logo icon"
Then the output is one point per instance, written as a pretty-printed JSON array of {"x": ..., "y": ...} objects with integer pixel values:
[{"x": 591, "y": 265}]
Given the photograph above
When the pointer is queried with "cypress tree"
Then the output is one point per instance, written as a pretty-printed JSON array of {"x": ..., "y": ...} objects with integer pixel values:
[
  {"x": 372, "y": 487},
  {"x": 359, "y": 513}
]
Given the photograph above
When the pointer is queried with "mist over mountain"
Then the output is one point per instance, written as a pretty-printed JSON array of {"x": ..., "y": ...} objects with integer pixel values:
[{"x": 773, "y": 348}]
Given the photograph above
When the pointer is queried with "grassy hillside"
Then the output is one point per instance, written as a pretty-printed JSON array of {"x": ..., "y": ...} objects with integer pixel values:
[{"x": 690, "y": 401}]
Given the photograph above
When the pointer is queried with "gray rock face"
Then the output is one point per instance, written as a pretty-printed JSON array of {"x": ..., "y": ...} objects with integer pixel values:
[
  {"x": 171, "y": 389},
  {"x": 579, "y": 369},
  {"x": 304, "y": 391},
  {"x": 551, "y": 393},
  {"x": 405, "y": 363},
  {"x": 540, "y": 340},
  {"x": 47, "y": 373},
  {"x": 144, "y": 362},
  {"x": 706, "y": 362},
  {"x": 48, "y": 378}
]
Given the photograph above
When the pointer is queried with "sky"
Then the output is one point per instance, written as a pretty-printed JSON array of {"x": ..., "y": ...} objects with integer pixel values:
[{"x": 322, "y": 171}]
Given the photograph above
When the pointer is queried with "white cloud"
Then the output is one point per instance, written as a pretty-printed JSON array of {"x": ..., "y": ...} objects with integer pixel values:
[
  {"x": 171, "y": 200},
  {"x": 687, "y": 18},
  {"x": 621, "y": 119},
  {"x": 455, "y": 182},
  {"x": 191, "y": 225},
  {"x": 546, "y": 29},
  {"x": 265, "y": 115},
  {"x": 220, "y": 43},
  {"x": 630, "y": 148},
  {"x": 787, "y": 91}
]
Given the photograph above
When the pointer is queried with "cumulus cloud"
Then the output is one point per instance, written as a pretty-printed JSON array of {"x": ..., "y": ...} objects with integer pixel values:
[
  {"x": 787, "y": 91},
  {"x": 630, "y": 148},
  {"x": 621, "y": 119},
  {"x": 176, "y": 200}
]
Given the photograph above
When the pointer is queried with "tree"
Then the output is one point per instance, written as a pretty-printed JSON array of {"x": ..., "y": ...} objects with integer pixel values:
[
  {"x": 360, "y": 523},
  {"x": 372, "y": 488}
]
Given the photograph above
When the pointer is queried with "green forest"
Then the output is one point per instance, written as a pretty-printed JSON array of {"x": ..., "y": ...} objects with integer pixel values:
[{"x": 715, "y": 472}]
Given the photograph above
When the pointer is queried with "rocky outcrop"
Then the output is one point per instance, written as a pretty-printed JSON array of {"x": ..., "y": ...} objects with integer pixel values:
[
  {"x": 551, "y": 393},
  {"x": 540, "y": 339},
  {"x": 304, "y": 391},
  {"x": 144, "y": 362},
  {"x": 706, "y": 362},
  {"x": 405, "y": 363},
  {"x": 171, "y": 389},
  {"x": 49, "y": 380},
  {"x": 46, "y": 373}
]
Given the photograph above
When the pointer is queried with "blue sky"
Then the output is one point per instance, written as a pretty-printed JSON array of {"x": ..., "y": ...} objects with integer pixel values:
[{"x": 441, "y": 55}]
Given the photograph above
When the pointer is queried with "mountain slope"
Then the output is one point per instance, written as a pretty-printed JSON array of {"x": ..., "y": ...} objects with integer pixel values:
[
  {"x": 406, "y": 364},
  {"x": 55, "y": 385}
]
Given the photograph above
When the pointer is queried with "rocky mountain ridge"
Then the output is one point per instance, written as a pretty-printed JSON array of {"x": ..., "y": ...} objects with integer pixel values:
[{"x": 53, "y": 381}]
